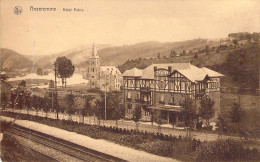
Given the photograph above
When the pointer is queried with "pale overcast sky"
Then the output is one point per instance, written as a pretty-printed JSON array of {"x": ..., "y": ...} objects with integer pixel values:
[{"x": 121, "y": 22}]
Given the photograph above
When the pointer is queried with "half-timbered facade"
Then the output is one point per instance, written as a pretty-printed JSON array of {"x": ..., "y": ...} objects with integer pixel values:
[{"x": 161, "y": 88}]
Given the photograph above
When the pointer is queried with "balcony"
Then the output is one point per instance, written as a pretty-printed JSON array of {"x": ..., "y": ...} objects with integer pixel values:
[
  {"x": 143, "y": 102},
  {"x": 145, "y": 89},
  {"x": 129, "y": 99}
]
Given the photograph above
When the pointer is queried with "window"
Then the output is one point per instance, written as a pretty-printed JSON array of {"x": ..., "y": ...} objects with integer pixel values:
[
  {"x": 171, "y": 102},
  {"x": 162, "y": 100},
  {"x": 138, "y": 96},
  {"x": 93, "y": 77},
  {"x": 128, "y": 94},
  {"x": 129, "y": 107},
  {"x": 146, "y": 113},
  {"x": 145, "y": 97},
  {"x": 162, "y": 97},
  {"x": 93, "y": 69},
  {"x": 182, "y": 85}
]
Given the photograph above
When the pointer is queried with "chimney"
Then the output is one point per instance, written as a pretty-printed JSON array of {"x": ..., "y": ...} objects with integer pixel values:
[
  {"x": 155, "y": 68},
  {"x": 170, "y": 69}
]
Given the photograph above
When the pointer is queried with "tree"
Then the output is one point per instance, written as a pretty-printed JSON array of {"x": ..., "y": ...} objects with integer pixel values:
[
  {"x": 173, "y": 53},
  {"x": 189, "y": 113},
  {"x": 70, "y": 101},
  {"x": 45, "y": 104},
  {"x": 206, "y": 109},
  {"x": 207, "y": 49},
  {"x": 158, "y": 121},
  {"x": 35, "y": 103},
  {"x": 39, "y": 71},
  {"x": 158, "y": 55},
  {"x": 99, "y": 110},
  {"x": 117, "y": 114},
  {"x": 236, "y": 115},
  {"x": 51, "y": 84},
  {"x": 235, "y": 42},
  {"x": 57, "y": 106},
  {"x": 184, "y": 52},
  {"x": 137, "y": 115},
  {"x": 4, "y": 100},
  {"x": 21, "y": 95},
  {"x": 65, "y": 68},
  {"x": 153, "y": 117},
  {"x": 22, "y": 84},
  {"x": 242, "y": 66},
  {"x": 112, "y": 103},
  {"x": 3, "y": 76},
  {"x": 87, "y": 109},
  {"x": 221, "y": 124}
]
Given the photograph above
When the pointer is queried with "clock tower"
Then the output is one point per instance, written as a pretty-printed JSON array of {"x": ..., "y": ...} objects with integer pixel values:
[{"x": 94, "y": 68}]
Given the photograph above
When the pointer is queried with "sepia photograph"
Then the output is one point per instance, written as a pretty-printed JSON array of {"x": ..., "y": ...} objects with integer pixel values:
[{"x": 139, "y": 81}]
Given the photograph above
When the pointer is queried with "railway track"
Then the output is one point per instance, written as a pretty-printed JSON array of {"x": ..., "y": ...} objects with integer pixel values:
[{"x": 66, "y": 147}]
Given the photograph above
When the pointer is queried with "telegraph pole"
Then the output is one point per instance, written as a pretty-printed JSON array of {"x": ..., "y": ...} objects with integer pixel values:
[
  {"x": 106, "y": 102},
  {"x": 56, "y": 93},
  {"x": 107, "y": 83}
]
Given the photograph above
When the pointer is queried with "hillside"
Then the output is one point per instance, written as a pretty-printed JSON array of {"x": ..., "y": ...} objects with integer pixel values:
[
  {"x": 239, "y": 64},
  {"x": 120, "y": 54},
  {"x": 117, "y": 55},
  {"x": 78, "y": 55},
  {"x": 13, "y": 60}
]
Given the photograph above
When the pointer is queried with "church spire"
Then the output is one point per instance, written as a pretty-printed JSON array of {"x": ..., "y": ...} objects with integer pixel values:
[{"x": 94, "y": 51}]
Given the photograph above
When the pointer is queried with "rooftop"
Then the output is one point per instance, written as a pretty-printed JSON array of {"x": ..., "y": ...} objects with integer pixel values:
[
  {"x": 191, "y": 72},
  {"x": 133, "y": 72},
  {"x": 110, "y": 69}
]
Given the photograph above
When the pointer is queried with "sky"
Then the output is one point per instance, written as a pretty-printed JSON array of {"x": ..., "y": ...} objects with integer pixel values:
[{"x": 120, "y": 22}]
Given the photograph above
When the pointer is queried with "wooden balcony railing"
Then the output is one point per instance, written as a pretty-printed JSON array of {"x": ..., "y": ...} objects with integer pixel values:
[{"x": 143, "y": 102}]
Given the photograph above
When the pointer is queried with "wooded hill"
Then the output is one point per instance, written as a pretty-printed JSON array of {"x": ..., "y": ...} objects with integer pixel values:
[
  {"x": 239, "y": 63},
  {"x": 10, "y": 59}
]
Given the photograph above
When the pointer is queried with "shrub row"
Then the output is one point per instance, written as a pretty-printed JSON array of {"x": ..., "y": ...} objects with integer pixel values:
[{"x": 156, "y": 143}]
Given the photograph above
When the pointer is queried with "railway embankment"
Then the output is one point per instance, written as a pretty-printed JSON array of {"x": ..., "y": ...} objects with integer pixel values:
[{"x": 103, "y": 146}]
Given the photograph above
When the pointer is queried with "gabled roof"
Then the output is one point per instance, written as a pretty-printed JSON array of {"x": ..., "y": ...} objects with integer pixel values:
[
  {"x": 191, "y": 72},
  {"x": 110, "y": 69},
  {"x": 148, "y": 73},
  {"x": 211, "y": 73},
  {"x": 133, "y": 72}
]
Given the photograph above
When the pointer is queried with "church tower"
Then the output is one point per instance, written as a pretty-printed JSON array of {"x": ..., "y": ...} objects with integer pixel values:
[{"x": 94, "y": 69}]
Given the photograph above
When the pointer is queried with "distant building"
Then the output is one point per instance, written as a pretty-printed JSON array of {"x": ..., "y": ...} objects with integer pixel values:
[
  {"x": 161, "y": 88},
  {"x": 102, "y": 77}
]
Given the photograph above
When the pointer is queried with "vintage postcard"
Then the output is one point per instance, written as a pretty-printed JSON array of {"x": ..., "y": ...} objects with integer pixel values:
[{"x": 140, "y": 80}]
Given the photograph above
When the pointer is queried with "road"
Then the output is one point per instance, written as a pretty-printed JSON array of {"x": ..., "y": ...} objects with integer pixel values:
[{"x": 144, "y": 126}]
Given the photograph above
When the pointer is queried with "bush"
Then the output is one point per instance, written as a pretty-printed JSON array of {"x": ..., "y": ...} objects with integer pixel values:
[
  {"x": 224, "y": 150},
  {"x": 158, "y": 147}
]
